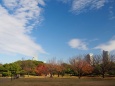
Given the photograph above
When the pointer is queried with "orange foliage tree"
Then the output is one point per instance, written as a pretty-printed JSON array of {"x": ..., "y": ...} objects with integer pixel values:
[
  {"x": 80, "y": 66},
  {"x": 60, "y": 69}
]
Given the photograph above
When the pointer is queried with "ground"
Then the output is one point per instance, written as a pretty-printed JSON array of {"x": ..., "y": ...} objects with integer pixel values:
[{"x": 57, "y": 82}]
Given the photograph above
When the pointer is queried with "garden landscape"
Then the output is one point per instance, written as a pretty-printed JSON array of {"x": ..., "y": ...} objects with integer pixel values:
[{"x": 57, "y": 42}]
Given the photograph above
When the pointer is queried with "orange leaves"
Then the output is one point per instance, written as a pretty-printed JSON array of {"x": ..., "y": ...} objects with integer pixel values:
[
  {"x": 87, "y": 68},
  {"x": 59, "y": 68},
  {"x": 81, "y": 66}
]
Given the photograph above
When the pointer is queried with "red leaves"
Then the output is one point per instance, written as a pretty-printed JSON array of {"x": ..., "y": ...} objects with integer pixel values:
[{"x": 41, "y": 69}]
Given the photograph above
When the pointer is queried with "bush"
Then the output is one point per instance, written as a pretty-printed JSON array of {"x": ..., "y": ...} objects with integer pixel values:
[
  {"x": 4, "y": 74},
  {"x": 33, "y": 73},
  {"x": 22, "y": 73},
  {"x": 111, "y": 73}
]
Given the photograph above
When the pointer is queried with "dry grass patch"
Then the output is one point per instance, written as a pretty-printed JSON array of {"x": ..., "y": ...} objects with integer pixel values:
[{"x": 57, "y": 82}]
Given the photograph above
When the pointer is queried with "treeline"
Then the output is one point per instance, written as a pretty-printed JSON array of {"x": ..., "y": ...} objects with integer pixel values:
[{"x": 77, "y": 66}]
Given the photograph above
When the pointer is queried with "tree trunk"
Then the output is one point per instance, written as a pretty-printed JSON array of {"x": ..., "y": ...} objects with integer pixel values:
[
  {"x": 62, "y": 74},
  {"x": 51, "y": 75},
  {"x": 58, "y": 74},
  {"x": 11, "y": 77},
  {"x": 103, "y": 75},
  {"x": 28, "y": 74},
  {"x": 79, "y": 75}
]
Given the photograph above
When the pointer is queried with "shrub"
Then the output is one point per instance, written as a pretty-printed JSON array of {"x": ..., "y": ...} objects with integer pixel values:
[
  {"x": 4, "y": 74},
  {"x": 111, "y": 73}
]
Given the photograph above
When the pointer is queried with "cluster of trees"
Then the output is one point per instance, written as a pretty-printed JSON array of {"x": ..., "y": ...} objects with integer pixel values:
[
  {"x": 77, "y": 66},
  {"x": 101, "y": 66},
  {"x": 25, "y": 67}
]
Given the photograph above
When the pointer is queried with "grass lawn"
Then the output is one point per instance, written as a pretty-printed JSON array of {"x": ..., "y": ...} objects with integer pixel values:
[{"x": 57, "y": 82}]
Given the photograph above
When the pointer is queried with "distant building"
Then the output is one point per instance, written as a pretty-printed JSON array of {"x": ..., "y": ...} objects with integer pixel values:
[
  {"x": 106, "y": 56},
  {"x": 34, "y": 58},
  {"x": 89, "y": 58}
]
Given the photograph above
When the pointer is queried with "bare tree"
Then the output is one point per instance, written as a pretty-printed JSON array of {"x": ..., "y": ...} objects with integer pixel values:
[{"x": 102, "y": 65}]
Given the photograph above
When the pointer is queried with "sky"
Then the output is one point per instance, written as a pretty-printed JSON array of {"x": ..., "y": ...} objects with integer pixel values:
[{"x": 60, "y": 29}]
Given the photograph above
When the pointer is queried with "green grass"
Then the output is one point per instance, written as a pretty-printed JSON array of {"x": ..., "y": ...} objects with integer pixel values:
[{"x": 57, "y": 82}]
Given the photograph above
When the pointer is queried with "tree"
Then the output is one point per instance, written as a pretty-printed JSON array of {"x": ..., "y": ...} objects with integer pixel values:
[
  {"x": 60, "y": 69},
  {"x": 28, "y": 66},
  {"x": 80, "y": 66},
  {"x": 1, "y": 68},
  {"x": 42, "y": 69},
  {"x": 15, "y": 66},
  {"x": 68, "y": 69},
  {"x": 51, "y": 66},
  {"x": 102, "y": 66}
]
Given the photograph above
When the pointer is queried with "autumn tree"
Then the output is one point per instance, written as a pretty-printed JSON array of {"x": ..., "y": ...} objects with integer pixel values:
[
  {"x": 42, "y": 69},
  {"x": 51, "y": 66},
  {"x": 60, "y": 69},
  {"x": 80, "y": 66}
]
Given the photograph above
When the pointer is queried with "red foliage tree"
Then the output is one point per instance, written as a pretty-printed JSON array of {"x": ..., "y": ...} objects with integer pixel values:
[{"x": 42, "y": 69}]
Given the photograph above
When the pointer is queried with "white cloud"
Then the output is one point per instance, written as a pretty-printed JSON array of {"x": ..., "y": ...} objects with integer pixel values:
[
  {"x": 78, "y": 44},
  {"x": 15, "y": 19},
  {"x": 79, "y": 6},
  {"x": 109, "y": 46}
]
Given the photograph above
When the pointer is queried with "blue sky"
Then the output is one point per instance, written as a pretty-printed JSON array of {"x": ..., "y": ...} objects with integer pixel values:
[{"x": 45, "y": 29}]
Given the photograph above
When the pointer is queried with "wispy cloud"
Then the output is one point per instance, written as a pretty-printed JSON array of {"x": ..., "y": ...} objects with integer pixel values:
[
  {"x": 78, "y": 44},
  {"x": 109, "y": 46},
  {"x": 65, "y": 1},
  {"x": 93, "y": 40},
  {"x": 17, "y": 19},
  {"x": 79, "y": 6},
  {"x": 111, "y": 12}
]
